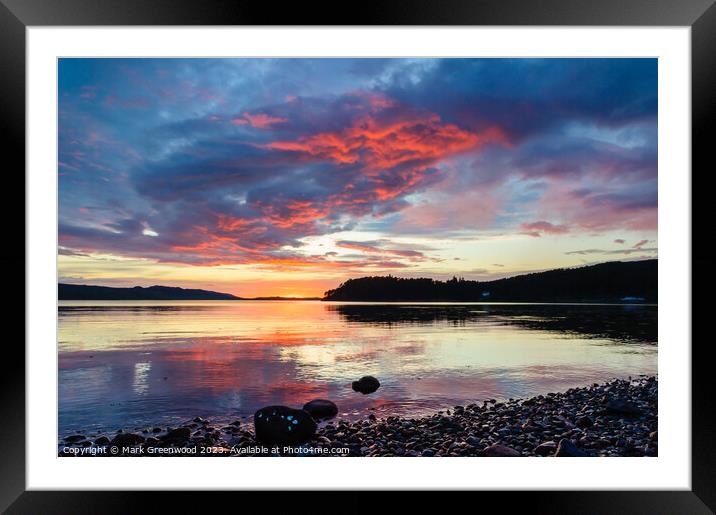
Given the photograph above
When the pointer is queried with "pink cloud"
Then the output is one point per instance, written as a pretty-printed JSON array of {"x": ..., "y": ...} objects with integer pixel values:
[
  {"x": 537, "y": 229},
  {"x": 258, "y": 120},
  {"x": 448, "y": 210},
  {"x": 593, "y": 209},
  {"x": 373, "y": 248}
]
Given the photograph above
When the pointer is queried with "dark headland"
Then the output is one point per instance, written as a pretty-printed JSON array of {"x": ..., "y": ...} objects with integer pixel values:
[
  {"x": 85, "y": 292},
  {"x": 615, "y": 281}
]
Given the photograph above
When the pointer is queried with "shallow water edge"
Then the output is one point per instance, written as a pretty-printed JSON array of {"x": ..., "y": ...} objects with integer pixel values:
[{"x": 616, "y": 418}]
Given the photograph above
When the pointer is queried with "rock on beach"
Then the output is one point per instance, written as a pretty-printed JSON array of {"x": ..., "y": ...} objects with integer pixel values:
[
  {"x": 546, "y": 449},
  {"x": 567, "y": 449},
  {"x": 501, "y": 451},
  {"x": 177, "y": 436},
  {"x": 281, "y": 425},
  {"x": 126, "y": 440},
  {"x": 321, "y": 409},
  {"x": 366, "y": 385},
  {"x": 622, "y": 407}
]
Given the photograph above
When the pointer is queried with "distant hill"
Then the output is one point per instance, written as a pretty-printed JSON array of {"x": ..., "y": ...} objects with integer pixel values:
[
  {"x": 616, "y": 281},
  {"x": 84, "y": 292}
]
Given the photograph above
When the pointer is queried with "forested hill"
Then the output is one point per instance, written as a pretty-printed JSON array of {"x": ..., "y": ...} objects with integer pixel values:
[
  {"x": 616, "y": 281},
  {"x": 84, "y": 292}
]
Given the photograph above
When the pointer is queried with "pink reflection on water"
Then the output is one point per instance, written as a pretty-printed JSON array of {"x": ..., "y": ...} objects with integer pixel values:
[{"x": 137, "y": 365}]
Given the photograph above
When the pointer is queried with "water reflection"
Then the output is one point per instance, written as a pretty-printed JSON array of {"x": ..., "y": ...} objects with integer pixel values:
[
  {"x": 141, "y": 372},
  {"x": 618, "y": 322},
  {"x": 132, "y": 364}
]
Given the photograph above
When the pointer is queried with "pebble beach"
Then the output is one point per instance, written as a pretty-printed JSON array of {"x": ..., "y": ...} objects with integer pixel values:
[{"x": 616, "y": 418}]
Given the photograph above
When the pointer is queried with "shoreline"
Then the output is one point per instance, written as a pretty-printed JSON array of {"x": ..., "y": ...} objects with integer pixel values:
[{"x": 615, "y": 418}]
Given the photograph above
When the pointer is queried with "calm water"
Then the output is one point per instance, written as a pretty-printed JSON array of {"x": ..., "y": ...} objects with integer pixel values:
[{"x": 131, "y": 364}]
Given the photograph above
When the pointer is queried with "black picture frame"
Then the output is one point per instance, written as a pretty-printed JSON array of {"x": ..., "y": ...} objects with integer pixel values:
[{"x": 17, "y": 15}]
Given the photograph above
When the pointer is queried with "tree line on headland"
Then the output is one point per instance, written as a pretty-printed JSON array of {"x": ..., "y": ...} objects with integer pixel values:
[{"x": 616, "y": 281}]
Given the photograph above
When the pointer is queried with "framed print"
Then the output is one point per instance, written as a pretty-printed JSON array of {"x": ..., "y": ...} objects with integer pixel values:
[{"x": 385, "y": 255}]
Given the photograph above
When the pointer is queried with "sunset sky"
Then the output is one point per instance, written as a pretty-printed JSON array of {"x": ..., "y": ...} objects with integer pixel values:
[{"x": 288, "y": 176}]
